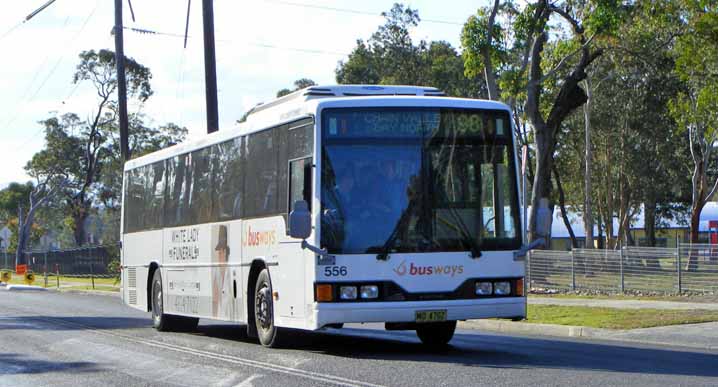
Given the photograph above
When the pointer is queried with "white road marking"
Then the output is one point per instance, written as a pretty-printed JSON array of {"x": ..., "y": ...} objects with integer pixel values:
[
  {"x": 248, "y": 382},
  {"x": 317, "y": 376}
]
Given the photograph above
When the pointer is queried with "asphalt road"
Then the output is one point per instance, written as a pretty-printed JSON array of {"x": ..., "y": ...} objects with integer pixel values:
[{"x": 62, "y": 339}]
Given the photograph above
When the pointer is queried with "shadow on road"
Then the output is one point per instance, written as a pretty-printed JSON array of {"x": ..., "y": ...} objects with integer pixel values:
[
  {"x": 71, "y": 323},
  {"x": 493, "y": 351},
  {"x": 15, "y": 364},
  {"x": 466, "y": 349}
]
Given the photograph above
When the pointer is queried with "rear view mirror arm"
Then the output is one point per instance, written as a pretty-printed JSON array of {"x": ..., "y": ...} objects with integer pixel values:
[
  {"x": 521, "y": 252},
  {"x": 316, "y": 250}
]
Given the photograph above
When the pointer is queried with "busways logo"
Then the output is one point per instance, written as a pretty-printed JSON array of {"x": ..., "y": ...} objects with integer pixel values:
[
  {"x": 447, "y": 270},
  {"x": 258, "y": 238}
]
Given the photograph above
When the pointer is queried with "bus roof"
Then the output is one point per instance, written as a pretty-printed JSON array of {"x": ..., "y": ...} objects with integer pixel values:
[{"x": 305, "y": 102}]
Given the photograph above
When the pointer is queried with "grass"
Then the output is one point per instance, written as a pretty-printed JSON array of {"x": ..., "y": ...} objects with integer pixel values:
[
  {"x": 100, "y": 288},
  {"x": 613, "y": 318},
  {"x": 78, "y": 281},
  {"x": 664, "y": 297}
]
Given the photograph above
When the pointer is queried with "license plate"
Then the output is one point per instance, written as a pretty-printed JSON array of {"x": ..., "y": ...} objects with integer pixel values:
[{"x": 425, "y": 316}]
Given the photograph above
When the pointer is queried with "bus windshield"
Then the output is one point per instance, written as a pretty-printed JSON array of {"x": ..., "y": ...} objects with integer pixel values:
[{"x": 417, "y": 180}]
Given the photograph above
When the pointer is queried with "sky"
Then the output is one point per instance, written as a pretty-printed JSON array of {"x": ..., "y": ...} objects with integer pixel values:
[{"x": 262, "y": 46}]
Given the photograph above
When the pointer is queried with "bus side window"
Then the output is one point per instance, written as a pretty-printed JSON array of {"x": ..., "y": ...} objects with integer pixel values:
[
  {"x": 300, "y": 182},
  {"x": 228, "y": 174}
]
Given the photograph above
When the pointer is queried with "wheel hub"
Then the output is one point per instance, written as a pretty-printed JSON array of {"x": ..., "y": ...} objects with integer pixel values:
[
  {"x": 157, "y": 307},
  {"x": 263, "y": 308}
]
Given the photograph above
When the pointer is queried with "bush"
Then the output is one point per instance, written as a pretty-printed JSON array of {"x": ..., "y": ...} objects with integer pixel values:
[{"x": 114, "y": 268}]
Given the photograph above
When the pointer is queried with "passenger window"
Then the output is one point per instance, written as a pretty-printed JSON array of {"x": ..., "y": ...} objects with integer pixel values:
[
  {"x": 262, "y": 175},
  {"x": 229, "y": 179}
]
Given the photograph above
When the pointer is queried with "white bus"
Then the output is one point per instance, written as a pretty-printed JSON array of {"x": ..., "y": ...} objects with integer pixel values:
[{"x": 406, "y": 212}]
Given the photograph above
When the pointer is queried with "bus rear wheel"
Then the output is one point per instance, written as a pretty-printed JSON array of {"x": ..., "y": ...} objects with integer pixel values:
[
  {"x": 267, "y": 332},
  {"x": 436, "y": 334},
  {"x": 160, "y": 320}
]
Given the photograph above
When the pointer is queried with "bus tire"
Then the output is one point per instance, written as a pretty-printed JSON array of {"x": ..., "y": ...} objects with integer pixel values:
[
  {"x": 436, "y": 334},
  {"x": 165, "y": 322},
  {"x": 267, "y": 332},
  {"x": 161, "y": 321}
]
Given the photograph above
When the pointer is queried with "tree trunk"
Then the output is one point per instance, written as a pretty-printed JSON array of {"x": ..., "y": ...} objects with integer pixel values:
[
  {"x": 562, "y": 205},
  {"x": 79, "y": 215},
  {"x": 587, "y": 211},
  {"x": 624, "y": 226},
  {"x": 24, "y": 226},
  {"x": 542, "y": 179},
  {"x": 623, "y": 192},
  {"x": 698, "y": 201},
  {"x": 601, "y": 244},
  {"x": 692, "y": 263},
  {"x": 569, "y": 98},
  {"x": 489, "y": 76},
  {"x": 608, "y": 219},
  {"x": 21, "y": 241},
  {"x": 649, "y": 224}
]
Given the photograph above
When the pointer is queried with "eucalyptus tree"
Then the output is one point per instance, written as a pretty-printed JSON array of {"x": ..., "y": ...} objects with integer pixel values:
[
  {"x": 86, "y": 150},
  {"x": 507, "y": 44},
  {"x": 390, "y": 56},
  {"x": 696, "y": 108}
]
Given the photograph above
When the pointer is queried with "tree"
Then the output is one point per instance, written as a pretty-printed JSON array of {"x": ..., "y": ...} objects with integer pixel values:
[
  {"x": 87, "y": 151},
  {"x": 695, "y": 109},
  {"x": 390, "y": 57},
  {"x": 41, "y": 193},
  {"x": 78, "y": 146},
  {"x": 484, "y": 44},
  {"x": 637, "y": 161},
  {"x": 143, "y": 139},
  {"x": 548, "y": 82},
  {"x": 299, "y": 84},
  {"x": 12, "y": 197}
]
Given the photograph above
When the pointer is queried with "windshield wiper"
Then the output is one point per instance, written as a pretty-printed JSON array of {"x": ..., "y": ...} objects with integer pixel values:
[
  {"x": 463, "y": 230},
  {"x": 383, "y": 254}
]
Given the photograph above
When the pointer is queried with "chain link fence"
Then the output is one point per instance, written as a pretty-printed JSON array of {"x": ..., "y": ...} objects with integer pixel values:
[
  {"x": 686, "y": 269},
  {"x": 95, "y": 267}
]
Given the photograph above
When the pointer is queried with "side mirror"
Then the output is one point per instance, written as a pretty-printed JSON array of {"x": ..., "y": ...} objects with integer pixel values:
[{"x": 300, "y": 220}]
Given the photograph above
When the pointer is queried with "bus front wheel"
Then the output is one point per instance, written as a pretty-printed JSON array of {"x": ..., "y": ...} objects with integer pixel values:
[
  {"x": 267, "y": 332},
  {"x": 436, "y": 334}
]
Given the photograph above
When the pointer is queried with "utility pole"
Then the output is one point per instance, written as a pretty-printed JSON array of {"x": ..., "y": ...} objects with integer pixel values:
[
  {"x": 210, "y": 67},
  {"x": 19, "y": 256},
  {"x": 121, "y": 82}
]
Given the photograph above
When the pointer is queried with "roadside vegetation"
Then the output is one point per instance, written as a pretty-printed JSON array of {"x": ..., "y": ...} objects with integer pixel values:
[
  {"x": 70, "y": 283},
  {"x": 613, "y": 318},
  {"x": 648, "y": 297}
]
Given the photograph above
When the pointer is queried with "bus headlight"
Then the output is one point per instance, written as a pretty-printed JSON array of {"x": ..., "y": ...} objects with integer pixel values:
[
  {"x": 502, "y": 288},
  {"x": 369, "y": 291},
  {"x": 484, "y": 288},
  {"x": 348, "y": 292}
]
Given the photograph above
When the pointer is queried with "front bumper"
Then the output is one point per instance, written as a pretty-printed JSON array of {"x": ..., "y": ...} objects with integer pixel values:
[{"x": 405, "y": 311}]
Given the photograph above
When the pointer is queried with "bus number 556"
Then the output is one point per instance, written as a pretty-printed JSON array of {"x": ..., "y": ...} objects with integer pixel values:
[{"x": 335, "y": 271}]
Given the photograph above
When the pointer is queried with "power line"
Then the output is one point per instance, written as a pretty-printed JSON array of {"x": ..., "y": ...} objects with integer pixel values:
[
  {"x": 26, "y": 95},
  {"x": 9, "y": 31},
  {"x": 28, "y": 17},
  {"x": 52, "y": 71},
  {"x": 352, "y": 11},
  {"x": 35, "y": 12},
  {"x": 145, "y": 31}
]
